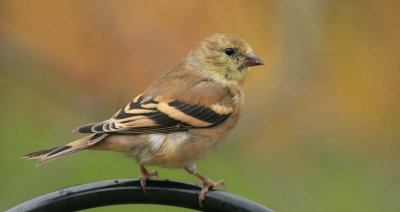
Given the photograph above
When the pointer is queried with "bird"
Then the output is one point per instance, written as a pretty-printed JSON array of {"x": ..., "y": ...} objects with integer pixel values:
[{"x": 180, "y": 117}]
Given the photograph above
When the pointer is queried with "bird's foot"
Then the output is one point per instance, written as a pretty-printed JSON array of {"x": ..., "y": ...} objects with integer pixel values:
[
  {"x": 207, "y": 184},
  {"x": 144, "y": 175}
]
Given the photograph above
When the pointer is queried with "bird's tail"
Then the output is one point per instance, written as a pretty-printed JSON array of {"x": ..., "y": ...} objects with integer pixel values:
[{"x": 60, "y": 151}]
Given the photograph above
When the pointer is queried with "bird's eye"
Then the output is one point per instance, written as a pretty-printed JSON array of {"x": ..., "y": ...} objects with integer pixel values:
[{"x": 230, "y": 51}]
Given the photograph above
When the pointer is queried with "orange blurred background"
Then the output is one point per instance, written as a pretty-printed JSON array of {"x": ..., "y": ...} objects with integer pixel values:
[{"x": 319, "y": 132}]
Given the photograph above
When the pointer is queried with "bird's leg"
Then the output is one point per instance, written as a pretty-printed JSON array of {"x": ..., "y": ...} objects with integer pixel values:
[
  {"x": 144, "y": 175},
  {"x": 207, "y": 183}
]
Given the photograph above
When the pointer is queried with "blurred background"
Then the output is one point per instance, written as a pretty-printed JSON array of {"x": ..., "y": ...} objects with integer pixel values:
[{"x": 321, "y": 125}]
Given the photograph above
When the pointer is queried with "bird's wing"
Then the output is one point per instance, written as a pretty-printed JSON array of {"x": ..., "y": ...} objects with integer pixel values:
[{"x": 159, "y": 116}]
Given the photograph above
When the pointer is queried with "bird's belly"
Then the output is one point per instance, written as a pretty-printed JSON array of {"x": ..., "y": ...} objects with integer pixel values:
[{"x": 173, "y": 150}]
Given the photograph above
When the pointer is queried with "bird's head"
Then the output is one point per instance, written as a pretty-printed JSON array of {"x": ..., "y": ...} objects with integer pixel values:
[{"x": 224, "y": 57}]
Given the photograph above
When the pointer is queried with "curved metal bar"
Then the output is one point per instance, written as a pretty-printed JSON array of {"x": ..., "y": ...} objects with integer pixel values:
[{"x": 128, "y": 191}]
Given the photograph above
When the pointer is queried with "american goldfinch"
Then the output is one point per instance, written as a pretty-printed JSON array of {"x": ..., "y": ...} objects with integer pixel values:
[{"x": 181, "y": 117}]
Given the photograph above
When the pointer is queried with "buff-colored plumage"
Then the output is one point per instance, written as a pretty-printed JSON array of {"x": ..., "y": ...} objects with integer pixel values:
[{"x": 181, "y": 117}]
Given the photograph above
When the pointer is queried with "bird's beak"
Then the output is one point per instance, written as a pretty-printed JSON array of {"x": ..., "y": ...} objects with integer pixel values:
[{"x": 252, "y": 59}]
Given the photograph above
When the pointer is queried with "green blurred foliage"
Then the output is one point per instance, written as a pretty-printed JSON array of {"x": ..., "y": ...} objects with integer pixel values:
[{"x": 319, "y": 132}]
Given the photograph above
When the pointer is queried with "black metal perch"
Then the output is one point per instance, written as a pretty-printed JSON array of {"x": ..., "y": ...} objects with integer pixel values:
[{"x": 128, "y": 191}]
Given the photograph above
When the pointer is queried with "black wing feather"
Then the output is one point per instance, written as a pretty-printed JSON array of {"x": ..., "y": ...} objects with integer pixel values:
[{"x": 163, "y": 122}]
